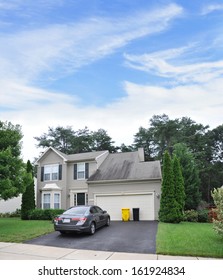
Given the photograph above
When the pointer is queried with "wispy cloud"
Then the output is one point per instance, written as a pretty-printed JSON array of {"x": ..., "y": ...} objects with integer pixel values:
[
  {"x": 63, "y": 48},
  {"x": 19, "y": 97},
  {"x": 169, "y": 64},
  {"x": 211, "y": 8}
]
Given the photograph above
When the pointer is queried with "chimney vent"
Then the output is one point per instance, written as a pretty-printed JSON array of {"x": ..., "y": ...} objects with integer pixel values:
[{"x": 141, "y": 154}]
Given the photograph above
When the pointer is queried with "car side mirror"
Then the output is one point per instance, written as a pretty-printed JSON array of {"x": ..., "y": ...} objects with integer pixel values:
[{"x": 104, "y": 211}]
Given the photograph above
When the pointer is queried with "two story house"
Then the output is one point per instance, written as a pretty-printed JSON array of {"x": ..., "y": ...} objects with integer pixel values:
[{"x": 111, "y": 181}]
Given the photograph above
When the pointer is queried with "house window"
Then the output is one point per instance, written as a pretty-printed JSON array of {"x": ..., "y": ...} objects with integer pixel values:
[
  {"x": 51, "y": 172},
  {"x": 56, "y": 201},
  {"x": 80, "y": 171},
  {"x": 46, "y": 200},
  {"x": 51, "y": 200}
]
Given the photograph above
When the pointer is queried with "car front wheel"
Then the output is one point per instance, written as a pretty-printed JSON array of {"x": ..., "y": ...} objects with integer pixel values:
[
  {"x": 108, "y": 222},
  {"x": 92, "y": 229}
]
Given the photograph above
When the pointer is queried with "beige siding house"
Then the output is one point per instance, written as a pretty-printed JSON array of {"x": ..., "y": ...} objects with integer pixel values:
[{"x": 111, "y": 181}]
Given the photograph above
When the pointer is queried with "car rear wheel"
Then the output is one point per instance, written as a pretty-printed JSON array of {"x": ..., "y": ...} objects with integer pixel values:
[{"x": 92, "y": 229}]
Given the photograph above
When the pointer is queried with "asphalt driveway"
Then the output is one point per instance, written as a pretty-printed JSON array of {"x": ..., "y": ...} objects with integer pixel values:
[{"x": 129, "y": 237}]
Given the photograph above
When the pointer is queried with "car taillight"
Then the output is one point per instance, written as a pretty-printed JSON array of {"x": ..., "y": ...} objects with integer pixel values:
[
  {"x": 81, "y": 221},
  {"x": 57, "y": 219}
]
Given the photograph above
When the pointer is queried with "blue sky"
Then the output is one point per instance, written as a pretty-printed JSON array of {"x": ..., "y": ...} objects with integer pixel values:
[{"x": 109, "y": 64}]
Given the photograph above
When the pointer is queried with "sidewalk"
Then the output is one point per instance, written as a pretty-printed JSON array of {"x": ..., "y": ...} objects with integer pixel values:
[{"x": 18, "y": 251}]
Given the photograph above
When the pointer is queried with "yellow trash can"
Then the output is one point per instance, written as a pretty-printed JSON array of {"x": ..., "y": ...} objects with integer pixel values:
[{"x": 125, "y": 214}]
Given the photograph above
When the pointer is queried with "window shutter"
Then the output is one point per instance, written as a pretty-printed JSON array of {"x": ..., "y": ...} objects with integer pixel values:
[
  {"x": 42, "y": 173},
  {"x": 86, "y": 170},
  {"x": 60, "y": 172},
  {"x": 75, "y": 171}
]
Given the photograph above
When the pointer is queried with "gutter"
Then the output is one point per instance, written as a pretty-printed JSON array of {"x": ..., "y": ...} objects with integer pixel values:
[{"x": 123, "y": 180}]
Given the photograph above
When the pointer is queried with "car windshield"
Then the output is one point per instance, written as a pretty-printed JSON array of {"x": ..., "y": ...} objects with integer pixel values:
[{"x": 76, "y": 211}]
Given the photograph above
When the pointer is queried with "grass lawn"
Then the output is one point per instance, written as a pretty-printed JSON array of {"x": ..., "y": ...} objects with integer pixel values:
[
  {"x": 17, "y": 230},
  {"x": 189, "y": 239}
]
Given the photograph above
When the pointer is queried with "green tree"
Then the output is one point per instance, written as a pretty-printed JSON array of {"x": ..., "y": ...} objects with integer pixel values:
[
  {"x": 164, "y": 133},
  {"x": 10, "y": 136},
  {"x": 205, "y": 145},
  {"x": 12, "y": 168},
  {"x": 145, "y": 138},
  {"x": 81, "y": 141},
  {"x": 102, "y": 141},
  {"x": 179, "y": 185},
  {"x": 216, "y": 136},
  {"x": 60, "y": 138},
  {"x": 169, "y": 208},
  {"x": 28, "y": 197},
  {"x": 12, "y": 175},
  {"x": 123, "y": 148},
  {"x": 69, "y": 141},
  {"x": 190, "y": 176}
]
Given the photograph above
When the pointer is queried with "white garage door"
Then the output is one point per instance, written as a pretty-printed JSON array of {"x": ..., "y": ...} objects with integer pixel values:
[{"x": 114, "y": 204}]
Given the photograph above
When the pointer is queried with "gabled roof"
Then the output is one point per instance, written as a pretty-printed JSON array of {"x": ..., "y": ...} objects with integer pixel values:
[
  {"x": 126, "y": 166},
  {"x": 74, "y": 157},
  {"x": 60, "y": 154}
]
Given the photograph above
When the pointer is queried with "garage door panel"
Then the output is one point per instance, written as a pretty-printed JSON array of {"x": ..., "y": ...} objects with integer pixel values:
[{"x": 114, "y": 204}]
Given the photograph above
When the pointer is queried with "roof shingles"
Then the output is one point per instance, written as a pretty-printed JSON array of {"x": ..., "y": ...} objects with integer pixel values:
[{"x": 126, "y": 166}]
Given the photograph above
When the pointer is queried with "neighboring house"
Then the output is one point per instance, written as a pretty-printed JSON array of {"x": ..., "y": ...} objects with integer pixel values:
[
  {"x": 11, "y": 205},
  {"x": 111, "y": 181}
]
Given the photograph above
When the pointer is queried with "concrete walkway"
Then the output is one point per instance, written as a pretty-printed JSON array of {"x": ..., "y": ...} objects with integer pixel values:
[{"x": 18, "y": 251}]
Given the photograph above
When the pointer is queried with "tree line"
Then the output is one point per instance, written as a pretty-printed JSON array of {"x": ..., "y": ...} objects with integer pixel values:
[{"x": 199, "y": 149}]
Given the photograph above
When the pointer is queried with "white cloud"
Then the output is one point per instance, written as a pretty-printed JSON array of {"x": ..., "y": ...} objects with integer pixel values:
[
  {"x": 56, "y": 50},
  {"x": 122, "y": 118},
  {"x": 211, "y": 8},
  {"x": 166, "y": 64},
  {"x": 60, "y": 48}
]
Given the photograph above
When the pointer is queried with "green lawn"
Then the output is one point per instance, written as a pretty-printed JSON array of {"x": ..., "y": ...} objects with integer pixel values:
[
  {"x": 184, "y": 239},
  {"x": 189, "y": 239},
  {"x": 17, "y": 230}
]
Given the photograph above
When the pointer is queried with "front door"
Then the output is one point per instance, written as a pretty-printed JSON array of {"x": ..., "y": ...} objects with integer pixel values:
[{"x": 80, "y": 199}]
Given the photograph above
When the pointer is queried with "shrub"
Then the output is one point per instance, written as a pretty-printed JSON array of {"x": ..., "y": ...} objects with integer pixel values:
[
  {"x": 191, "y": 216},
  {"x": 170, "y": 209},
  {"x": 217, "y": 195},
  {"x": 44, "y": 214},
  {"x": 16, "y": 213},
  {"x": 28, "y": 197},
  {"x": 212, "y": 215},
  {"x": 203, "y": 216}
]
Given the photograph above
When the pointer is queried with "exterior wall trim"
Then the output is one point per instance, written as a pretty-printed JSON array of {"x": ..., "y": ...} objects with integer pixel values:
[{"x": 124, "y": 194}]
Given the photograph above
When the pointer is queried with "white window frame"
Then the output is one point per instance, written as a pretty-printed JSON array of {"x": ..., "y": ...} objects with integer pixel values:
[
  {"x": 81, "y": 170},
  {"x": 52, "y": 200},
  {"x": 51, "y": 172},
  {"x": 56, "y": 202},
  {"x": 46, "y": 194}
]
